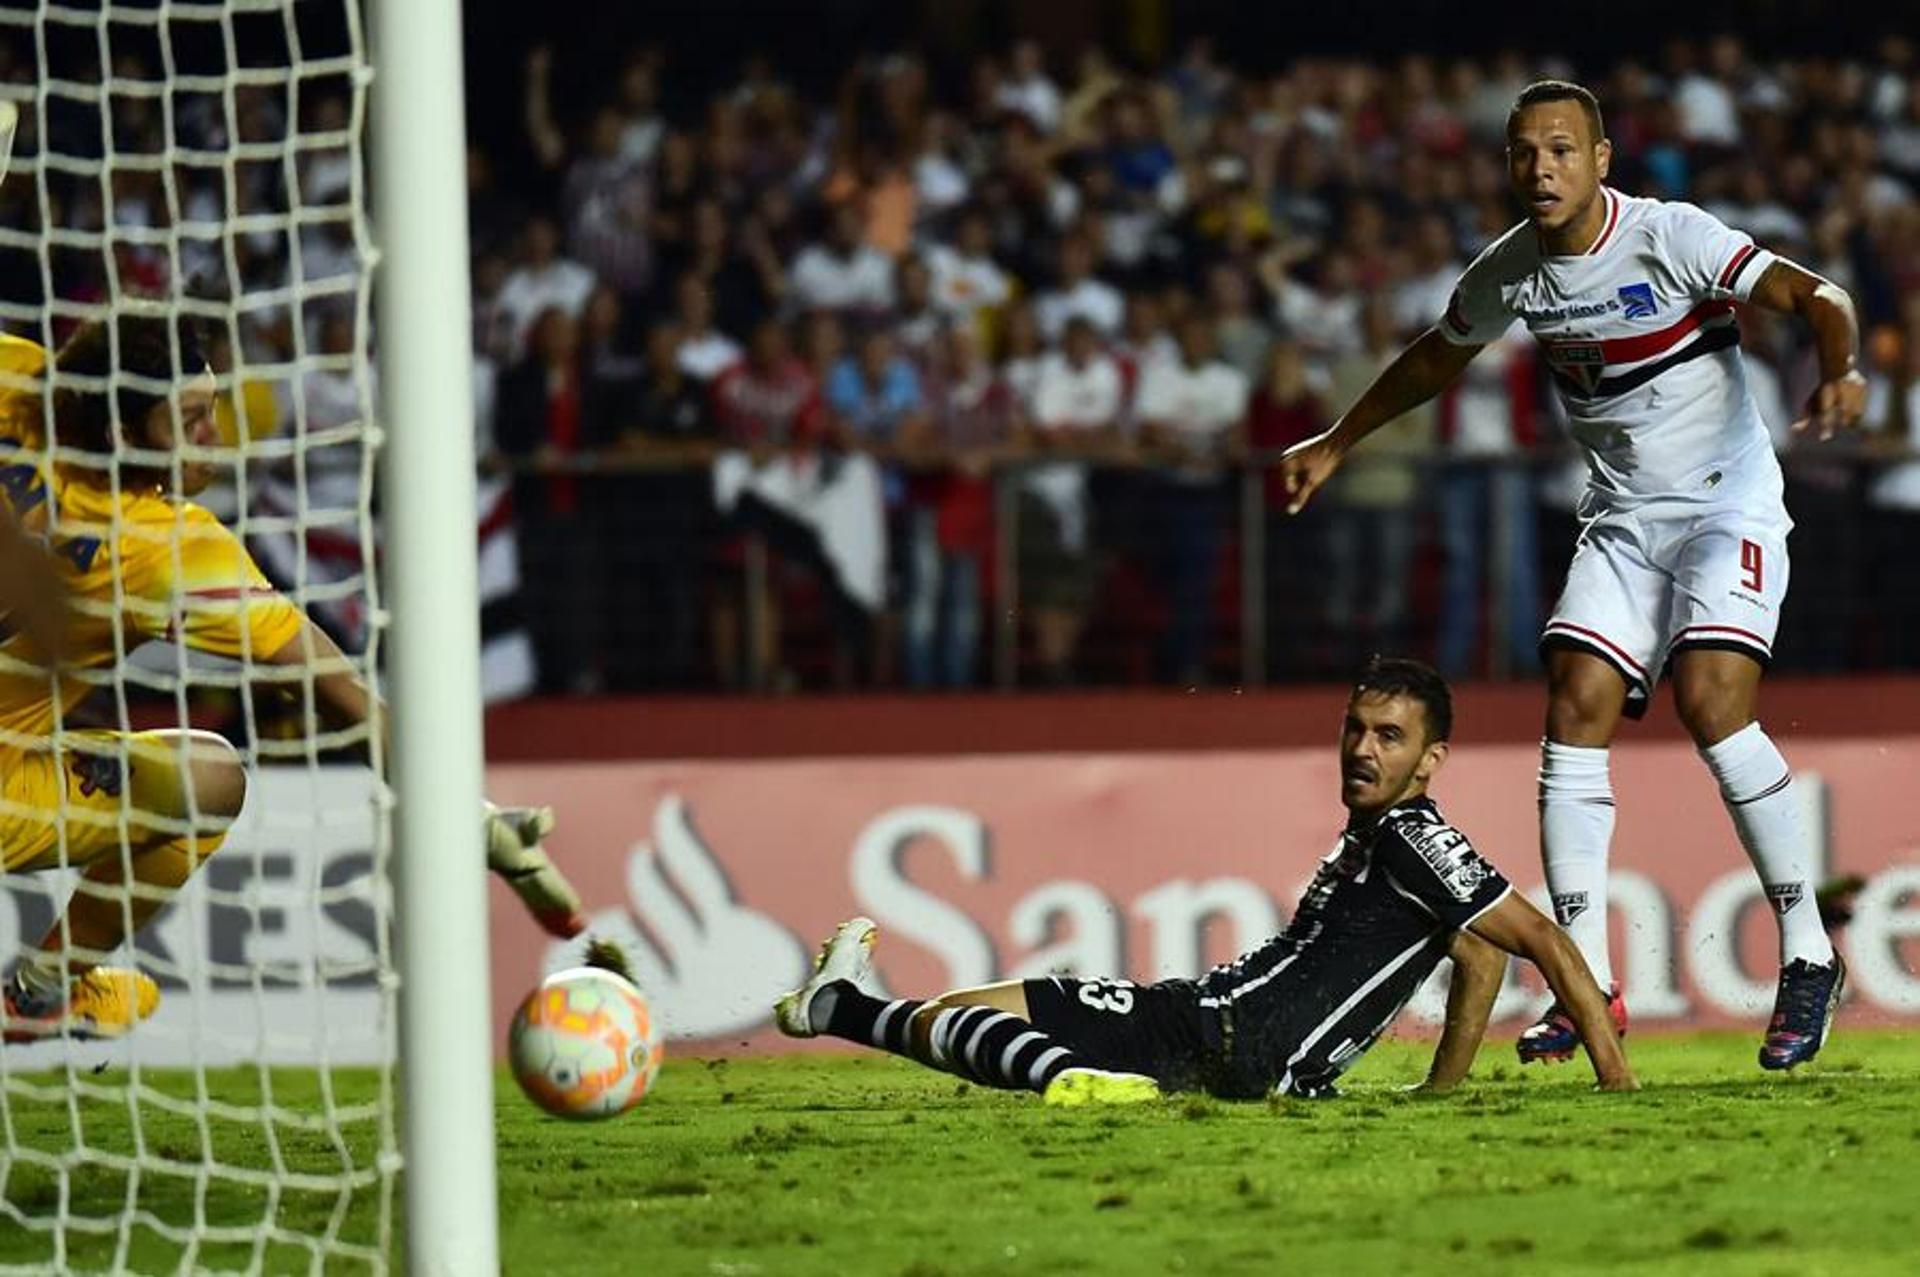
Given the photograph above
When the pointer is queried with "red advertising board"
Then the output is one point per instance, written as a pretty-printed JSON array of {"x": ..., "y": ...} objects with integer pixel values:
[{"x": 723, "y": 873}]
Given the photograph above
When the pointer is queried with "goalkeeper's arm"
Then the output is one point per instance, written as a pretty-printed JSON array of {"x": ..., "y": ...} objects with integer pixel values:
[
  {"x": 513, "y": 834},
  {"x": 32, "y": 596}
]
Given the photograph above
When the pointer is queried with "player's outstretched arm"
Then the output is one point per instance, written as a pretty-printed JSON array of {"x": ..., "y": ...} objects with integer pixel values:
[
  {"x": 1478, "y": 968},
  {"x": 1420, "y": 372},
  {"x": 513, "y": 834},
  {"x": 1841, "y": 397},
  {"x": 1522, "y": 930}
]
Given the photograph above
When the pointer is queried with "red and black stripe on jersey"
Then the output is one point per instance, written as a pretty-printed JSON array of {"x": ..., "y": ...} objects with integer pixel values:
[{"x": 1710, "y": 326}]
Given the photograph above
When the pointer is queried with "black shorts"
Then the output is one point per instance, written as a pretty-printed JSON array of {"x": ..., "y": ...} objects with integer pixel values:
[{"x": 1160, "y": 1030}]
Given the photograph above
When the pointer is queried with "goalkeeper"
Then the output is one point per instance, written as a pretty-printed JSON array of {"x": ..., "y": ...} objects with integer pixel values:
[
  {"x": 139, "y": 561},
  {"x": 1402, "y": 890}
]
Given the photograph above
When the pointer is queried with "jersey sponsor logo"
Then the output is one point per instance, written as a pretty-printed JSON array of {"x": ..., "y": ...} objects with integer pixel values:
[
  {"x": 1451, "y": 857},
  {"x": 1581, "y": 362},
  {"x": 1785, "y": 895},
  {"x": 1550, "y": 314},
  {"x": 1638, "y": 301},
  {"x": 1568, "y": 905}
]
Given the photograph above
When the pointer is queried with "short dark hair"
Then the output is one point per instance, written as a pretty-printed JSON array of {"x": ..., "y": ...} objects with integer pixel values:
[
  {"x": 155, "y": 349},
  {"x": 1561, "y": 91},
  {"x": 1401, "y": 676}
]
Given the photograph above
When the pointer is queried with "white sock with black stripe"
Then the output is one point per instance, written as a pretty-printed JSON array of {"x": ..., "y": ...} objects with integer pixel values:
[
  {"x": 1757, "y": 786},
  {"x": 1576, "y": 827}
]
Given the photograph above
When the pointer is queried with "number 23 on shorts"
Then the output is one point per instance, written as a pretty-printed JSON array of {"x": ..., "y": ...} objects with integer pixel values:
[{"x": 1108, "y": 995}]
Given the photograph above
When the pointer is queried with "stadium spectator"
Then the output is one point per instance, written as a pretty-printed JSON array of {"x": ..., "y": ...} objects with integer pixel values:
[
  {"x": 742, "y": 273},
  {"x": 1893, "y": 410},
  {"x": 1192, "y": 421},
  {"x": 1240, "y": 334},
  {"x": 875, "y": 395},
  {"x": 843, "y": 272},
  {"x": 1027, "y": 88},
  {"x": 1020, "y": 364},
  {"x": 657, "y": 520},
  {"x": 1486, "y": 508},
  {"x": 1077, "y": 294},
  {"x": 1076, "y": 417},
  {"x": 705, "y": 351},
  {"x": 974, "y": 419},
  {"x": 1371, "y": 525},
  {"x": 544, "y": 280},
  {"x": 966, "y": 279},
  {"x": 917, "y": 322},
  {"x": 543, "y": 424},
  {"x": 605, "y": 198},
  {"x": 1283, "y": 411}
]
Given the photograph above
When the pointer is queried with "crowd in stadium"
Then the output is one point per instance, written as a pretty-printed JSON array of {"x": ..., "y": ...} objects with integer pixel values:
[{"x": 1025, "y": 332}]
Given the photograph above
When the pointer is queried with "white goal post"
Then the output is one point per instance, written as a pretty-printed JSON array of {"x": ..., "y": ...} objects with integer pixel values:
[{"x": 419, "y": 170}]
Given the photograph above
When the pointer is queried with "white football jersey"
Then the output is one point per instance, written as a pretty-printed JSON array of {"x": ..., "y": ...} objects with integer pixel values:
[{"x": 1639, "y": 332}]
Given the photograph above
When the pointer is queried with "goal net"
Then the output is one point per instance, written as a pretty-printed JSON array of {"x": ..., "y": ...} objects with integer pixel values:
[{"x": 204, "y": 159}]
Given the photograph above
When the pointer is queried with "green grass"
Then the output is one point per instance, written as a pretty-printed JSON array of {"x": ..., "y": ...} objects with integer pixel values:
[{"x": 861, "y": 1164}]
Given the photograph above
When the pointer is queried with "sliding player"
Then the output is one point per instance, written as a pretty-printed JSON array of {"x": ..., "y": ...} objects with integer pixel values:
[
  {"x": 1402, "y": 890},
  {"x": 1683, "y": 559},
  {"x": 140, "y": 561}
]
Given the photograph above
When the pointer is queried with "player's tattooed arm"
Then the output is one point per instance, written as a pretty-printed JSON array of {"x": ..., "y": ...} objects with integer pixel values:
[
  {"x": 1522, "y": 930},
  {"x": 1478, "y": 968},
  {"x": 1416, "y": 375},
  {"x": 1841, "y": 397}
]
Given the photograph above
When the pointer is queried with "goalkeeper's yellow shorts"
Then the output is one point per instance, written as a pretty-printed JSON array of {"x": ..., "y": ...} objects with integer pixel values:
[{"x": 69, "y": 806}]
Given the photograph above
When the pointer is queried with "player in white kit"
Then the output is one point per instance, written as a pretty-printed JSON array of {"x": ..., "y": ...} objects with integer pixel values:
[{"x": 1682, "y": 561}]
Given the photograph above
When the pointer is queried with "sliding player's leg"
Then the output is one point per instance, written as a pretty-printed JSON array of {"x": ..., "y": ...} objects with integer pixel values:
[
  {"x": 987, "y": 1035},
  {"x": 175, "y": 794}
]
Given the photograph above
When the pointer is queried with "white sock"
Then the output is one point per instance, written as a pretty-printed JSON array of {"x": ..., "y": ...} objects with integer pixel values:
[
  {"x": 1576, "y": 827},
  {"x": 1757, "y": 786}
]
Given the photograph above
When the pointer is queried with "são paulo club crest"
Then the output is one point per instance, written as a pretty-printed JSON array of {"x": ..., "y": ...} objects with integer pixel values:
[{"x": 1579, "y": 363}]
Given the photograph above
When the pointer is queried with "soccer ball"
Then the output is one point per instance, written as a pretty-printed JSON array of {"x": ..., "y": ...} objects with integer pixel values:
[{"x": 585, "y": 1044}]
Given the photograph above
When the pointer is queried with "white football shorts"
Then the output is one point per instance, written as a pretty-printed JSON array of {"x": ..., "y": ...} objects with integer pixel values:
[{"x": 1640, "y": 590}]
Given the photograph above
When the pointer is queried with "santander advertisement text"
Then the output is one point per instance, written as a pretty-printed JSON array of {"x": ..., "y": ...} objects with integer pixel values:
[{"x": 722, "y": 876}]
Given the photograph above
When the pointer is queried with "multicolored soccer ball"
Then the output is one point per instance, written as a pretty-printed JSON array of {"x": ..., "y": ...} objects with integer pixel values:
[{"x": 585, "y": 1045}]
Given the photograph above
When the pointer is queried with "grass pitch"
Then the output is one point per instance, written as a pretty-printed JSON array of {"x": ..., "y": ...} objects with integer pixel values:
[{"x": 861, "y": 1164}]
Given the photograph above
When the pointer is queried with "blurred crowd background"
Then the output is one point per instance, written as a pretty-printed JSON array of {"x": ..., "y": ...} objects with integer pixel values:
[{"x": 948, "y": 354}]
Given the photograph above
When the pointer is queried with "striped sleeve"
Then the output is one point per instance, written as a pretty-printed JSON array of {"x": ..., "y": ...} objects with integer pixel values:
[{"x": 1711, "y": 258}]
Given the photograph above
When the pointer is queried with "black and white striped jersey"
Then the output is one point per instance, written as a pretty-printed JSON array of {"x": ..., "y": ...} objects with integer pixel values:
[{"x": 1374, "y": 922}]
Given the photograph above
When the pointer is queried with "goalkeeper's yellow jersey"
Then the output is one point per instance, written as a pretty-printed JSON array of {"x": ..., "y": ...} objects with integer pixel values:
[{"x": 138, "y": 566}]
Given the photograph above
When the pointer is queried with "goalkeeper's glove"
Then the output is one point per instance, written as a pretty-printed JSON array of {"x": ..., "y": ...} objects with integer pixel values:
[{"x": 514, "y": 852}]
